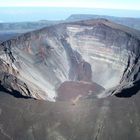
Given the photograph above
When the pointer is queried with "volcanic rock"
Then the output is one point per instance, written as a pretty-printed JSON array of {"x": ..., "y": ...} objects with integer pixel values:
[
  {"x": 96, "y": 51},
  {"x": 70, "y": 90}
]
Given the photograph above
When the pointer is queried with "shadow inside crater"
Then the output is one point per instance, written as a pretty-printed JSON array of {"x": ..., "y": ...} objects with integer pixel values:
[
  {"x": 129, "y": 92},
  {"x": 14, "y": 93}
]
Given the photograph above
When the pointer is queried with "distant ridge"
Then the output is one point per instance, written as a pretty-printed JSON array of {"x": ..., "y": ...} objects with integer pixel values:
[{"x": 128, "y": 21}]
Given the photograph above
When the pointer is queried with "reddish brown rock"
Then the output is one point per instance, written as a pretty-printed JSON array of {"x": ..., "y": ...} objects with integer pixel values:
[{"x": 70, "y": 90}]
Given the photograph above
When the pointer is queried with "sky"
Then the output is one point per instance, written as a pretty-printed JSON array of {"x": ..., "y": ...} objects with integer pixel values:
[
  {"x": 113, "y": 4},
  {"x": 32, "y": 10}
]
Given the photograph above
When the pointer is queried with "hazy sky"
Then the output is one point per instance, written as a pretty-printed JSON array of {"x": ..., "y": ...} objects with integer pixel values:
[
  {"x": 114, "y": 4},
  {"x": 31, "y": 10}
]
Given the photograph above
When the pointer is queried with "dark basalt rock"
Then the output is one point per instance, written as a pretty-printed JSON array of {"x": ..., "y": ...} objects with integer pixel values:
[{"x": 109, "y": 118}]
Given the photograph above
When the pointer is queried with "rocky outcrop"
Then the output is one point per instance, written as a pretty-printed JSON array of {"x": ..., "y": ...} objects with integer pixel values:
[{"x": 96, "y": 51}]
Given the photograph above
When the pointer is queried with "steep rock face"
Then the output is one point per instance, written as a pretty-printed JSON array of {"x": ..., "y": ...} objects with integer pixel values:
[
  {"x": 93, "y": 51},
  {"x": 112, "y": 50},
  {"x": 36, "y": 62}
]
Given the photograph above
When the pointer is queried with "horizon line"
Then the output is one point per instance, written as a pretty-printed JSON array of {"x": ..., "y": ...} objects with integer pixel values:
[
  {"x": 104, "y": 8},
  {"x": 70, "y": 5}
]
